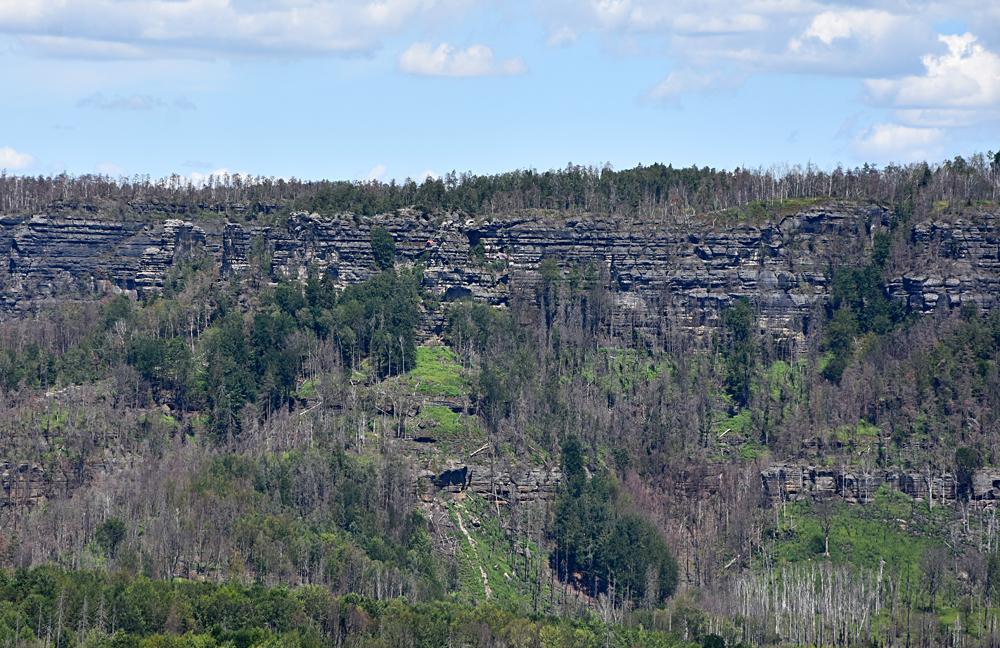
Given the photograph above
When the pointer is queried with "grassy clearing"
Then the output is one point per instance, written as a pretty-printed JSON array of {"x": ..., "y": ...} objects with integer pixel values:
[
  {"x": 510, "y": 574},
  {"x": 751, "y": 451},
  {"x": 893, "y": 528},
  {"x": 442, "y": 419},
  {"x": 740, "y": 423},
  {"x": 447, "y": 424},
  {"x": 453, "y": 432},
  {"x": 736, "y": 432},
  {"x": 438, "y": 373},
  {"x": 308, "y": 390}
]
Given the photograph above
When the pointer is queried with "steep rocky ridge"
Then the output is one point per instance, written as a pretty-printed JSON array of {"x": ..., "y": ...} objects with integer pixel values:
[
  {"x": 46, "y": 257},
  {"x": 685, "y": 269}
]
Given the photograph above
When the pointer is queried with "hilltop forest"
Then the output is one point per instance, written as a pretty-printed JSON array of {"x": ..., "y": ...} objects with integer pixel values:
[{"x": 369, "y": 448}]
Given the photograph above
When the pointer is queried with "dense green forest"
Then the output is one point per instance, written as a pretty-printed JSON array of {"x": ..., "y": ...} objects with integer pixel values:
[
  {"x": 50, "y": 607},
  {"x": 254, "y": 460}
]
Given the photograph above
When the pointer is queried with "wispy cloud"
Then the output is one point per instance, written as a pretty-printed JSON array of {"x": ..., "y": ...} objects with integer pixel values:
[
  {"x": 171, "y": 28},
  {"x": 136, "y": 102},
  {"x": 12, "y": 159},
  {"x": 685, "y": 81},
  {"x": 444, "y": 60},
  {"x": 899, "y": 143},
  {"x": 561, "y": 37},
  {"x": 377, "y": 172},
  {"x": 78, "y": 47}
]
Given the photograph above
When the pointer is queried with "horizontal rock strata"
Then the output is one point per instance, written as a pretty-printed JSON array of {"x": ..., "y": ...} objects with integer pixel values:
[
  {"x": 789, "y": 482},
  {"x": 686, "y": 271},
  {"x": 504, "y": 484}
]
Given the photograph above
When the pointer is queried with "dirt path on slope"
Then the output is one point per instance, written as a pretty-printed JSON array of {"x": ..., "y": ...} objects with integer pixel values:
[{"x": 482, "y": 572}]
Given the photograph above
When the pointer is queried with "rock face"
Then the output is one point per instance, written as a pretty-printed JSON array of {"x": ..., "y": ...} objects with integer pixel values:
[
  {"x": 453, "y": 478},
  {"x": 23, "y": 484},
  {"x": 48, "y": 257},
  {"x": 504, "y": 484},
  {"x": 954, "y": 263},
  {"x": 686, "y": 270},
  {"x": 784, "y": 482}
]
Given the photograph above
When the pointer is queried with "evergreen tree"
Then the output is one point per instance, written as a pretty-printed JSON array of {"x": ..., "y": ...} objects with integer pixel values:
[
  {"x": 383, "y": 247},
  {"x": 741, "y": 351}
]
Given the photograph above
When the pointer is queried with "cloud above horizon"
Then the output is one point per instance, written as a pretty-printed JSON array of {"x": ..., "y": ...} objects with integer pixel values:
[
  {"x": 899, "y": 143},
  {"x": 13, "y": 160},
  {"x": 957, "y": 89},
  {"x": 919, "y": 74},
  {"x": 445, "y": 60},
  {"x": 965, "y": 77},
  {"x": 105, "y": 29}
]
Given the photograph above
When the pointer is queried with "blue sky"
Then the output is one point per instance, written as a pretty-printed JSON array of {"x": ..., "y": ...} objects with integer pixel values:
[{"x": 402, "y": 88}]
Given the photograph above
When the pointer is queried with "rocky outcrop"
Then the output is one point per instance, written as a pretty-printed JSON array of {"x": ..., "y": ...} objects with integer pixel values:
[
  {"x": 953, "y": 263},
  {"x": 503, "y": 484},
  {"x": 23, "y": 484},
  {"x": 779, "y": 483},
  {"x": 47, "y": 257},
  {"x": 785, "y": 482},
  {"x": 452, "y": 478},
  {"x": 686, "y": 270}
]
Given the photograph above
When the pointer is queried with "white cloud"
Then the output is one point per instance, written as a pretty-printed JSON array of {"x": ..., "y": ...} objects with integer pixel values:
[
  {"x": 681, "y": 82},
  {"x": 958, "y": 89},
  {"x": 692, "y": 23},
  {"x": 683, "y": 16},
  {"x": 966, "y": 76},
  {"x": 862, "y": 24},
  {"x": 857, "y": 42},
  {"x": 13, "y": 160},
  {"x": 611, "y": 13},
  {"x": 377, "y": 172},
  {"x": 185, "y": 28},
  {"x": 946, "y": 117},
  {"x": 899, "y": 143},
  {"x": 721, "y": 38},
  {"x": 561, "y": 37},
  {"x": 79, "y": 48},
  {"x": 445, "y": 60}
]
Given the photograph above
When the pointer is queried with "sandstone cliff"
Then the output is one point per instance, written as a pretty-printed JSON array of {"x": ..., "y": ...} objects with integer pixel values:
[{"x": 686, "y": 270}]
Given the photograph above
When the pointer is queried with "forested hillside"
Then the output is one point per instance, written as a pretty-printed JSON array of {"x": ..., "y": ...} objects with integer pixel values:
[{"x": 653, "y": 407}]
